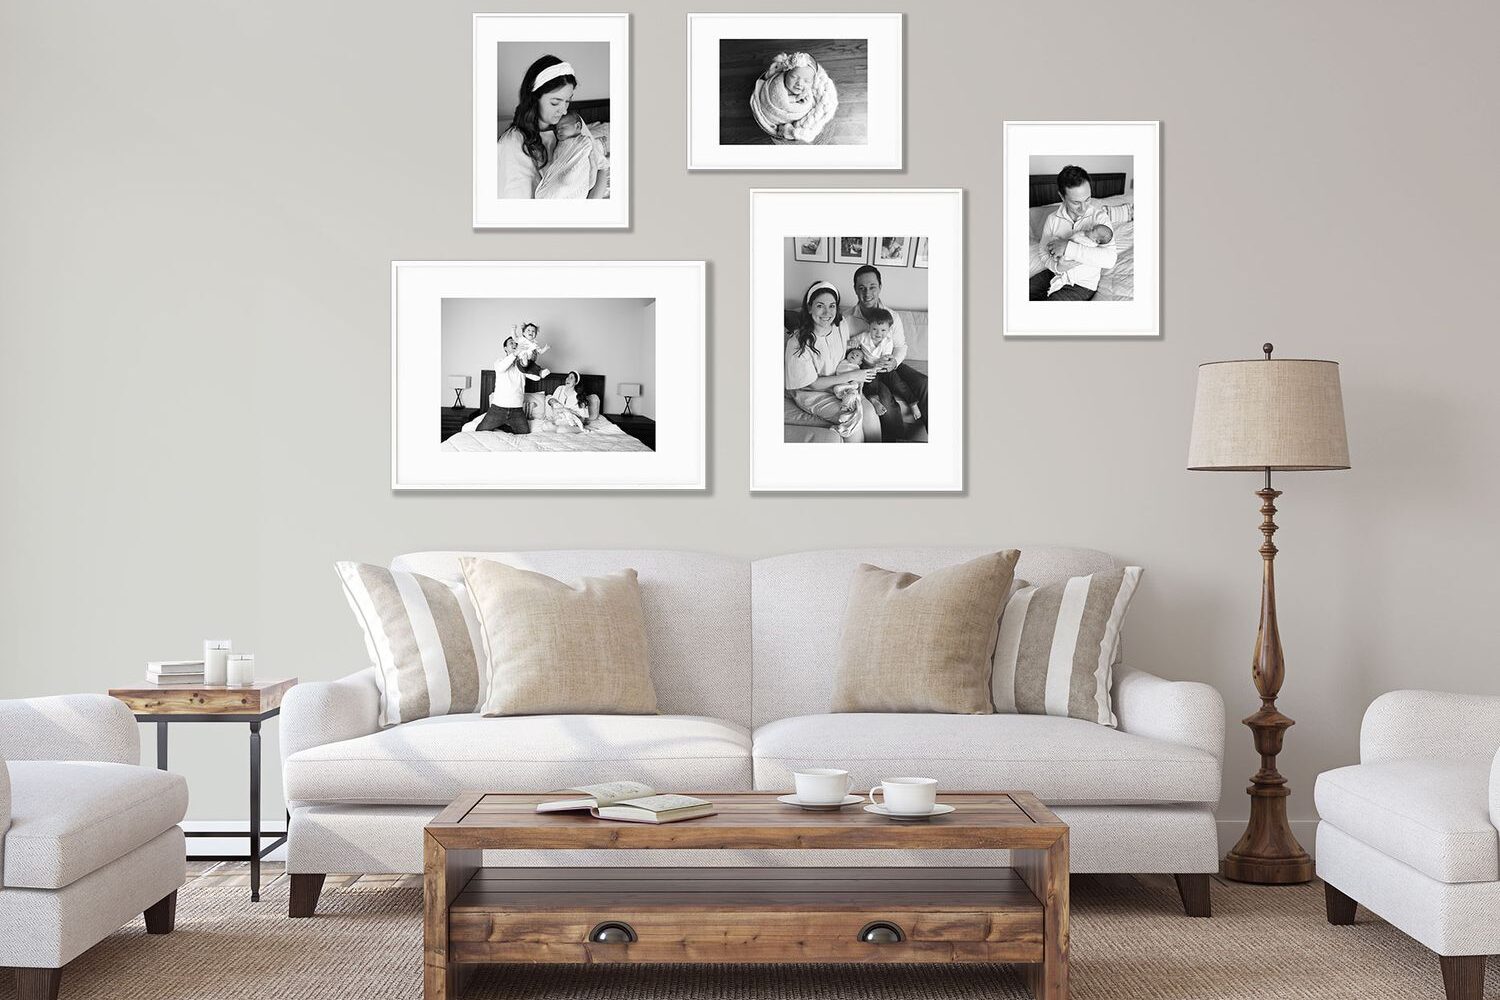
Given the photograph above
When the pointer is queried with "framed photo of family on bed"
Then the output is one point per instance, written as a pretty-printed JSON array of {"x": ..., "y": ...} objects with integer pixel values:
[
  {"x": 551, "y": 121},
  {"x": 547, "y": 375},
  {"x": 853, "y": 347},
  {"x": 1082, "y": 234},
  {"x": 794, "y": 91}
]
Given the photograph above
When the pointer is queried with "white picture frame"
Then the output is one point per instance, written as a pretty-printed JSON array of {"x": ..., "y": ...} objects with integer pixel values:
[
  {"x": 934, "y": 465},
  {"x": 678, "y": 461},
  {"x": 846, "y": 251},
  {"x": 813, "y": 249},
  {"x": 589, "y": 35},
  {"x": 875, "y": 143},
  {"x": 893, "y": 251},
  {"x": 1137, "y": 142}
]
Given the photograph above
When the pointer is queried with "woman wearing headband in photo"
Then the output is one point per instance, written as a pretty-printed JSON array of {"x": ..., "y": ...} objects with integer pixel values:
[
  {"x": 813, "y": 352},
  {"x": 528, "y": 147}
]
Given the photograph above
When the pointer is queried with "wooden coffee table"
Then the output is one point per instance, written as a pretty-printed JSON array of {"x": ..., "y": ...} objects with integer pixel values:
[{"x": 475, "y": 915}]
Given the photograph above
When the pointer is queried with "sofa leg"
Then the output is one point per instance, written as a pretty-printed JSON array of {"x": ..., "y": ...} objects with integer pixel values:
[
  {"x": 304, "y": 895},
  {"x": 1193, "y": 889},
  {"x": 1463, "y": 976},
  {"x": 161, "y": 916},
  {"x": 1341, "y": 908},
  {"x": 37, "y": 984}
]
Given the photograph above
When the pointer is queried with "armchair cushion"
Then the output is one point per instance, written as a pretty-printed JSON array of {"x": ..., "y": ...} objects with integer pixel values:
[
  {"x": 69, "y": 818},
  {"x": 1432, "y": 815}
]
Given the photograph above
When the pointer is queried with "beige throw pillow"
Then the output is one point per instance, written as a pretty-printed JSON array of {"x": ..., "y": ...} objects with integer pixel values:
[
  {"x": 922, "y": 643},
  {"x": 560, "y": 650}
]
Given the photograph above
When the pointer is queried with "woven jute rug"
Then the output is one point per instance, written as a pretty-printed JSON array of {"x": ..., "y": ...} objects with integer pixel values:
[{"x": 1130, "y": 940}]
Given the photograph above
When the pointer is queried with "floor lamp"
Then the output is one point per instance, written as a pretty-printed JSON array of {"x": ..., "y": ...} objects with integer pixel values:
[{"x": 1266, "y": 415}]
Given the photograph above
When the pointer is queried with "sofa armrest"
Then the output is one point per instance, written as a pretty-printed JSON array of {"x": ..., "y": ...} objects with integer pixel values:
[
  {"x": 1402, "y": 725},
  {"x": 1495, "y": 791},
  {"x": 320, "y": 712},
  {"x": 1185, "y": 712},
  {"x": 69, "y": 727},
  {"x": 4, "y": 814}
]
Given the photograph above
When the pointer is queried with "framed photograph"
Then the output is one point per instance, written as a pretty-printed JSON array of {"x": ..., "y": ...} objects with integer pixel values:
[
  {"x": 551, "y": 121},
  {"x": 919, "y": 258},
  {"x": 893, "y": 251},
  {"x": 846, "y": 356},
  {"x": 812, "y": 249},
  {"x": 795, "y": 91},
  {"x": 1082, "y": 235},
  {"x": 589, "y": 375},
  {"x": 851, "y": 249}
]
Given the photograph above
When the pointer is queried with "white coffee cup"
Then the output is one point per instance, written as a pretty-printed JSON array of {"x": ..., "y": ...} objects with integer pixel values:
[
  {"x": 823, "y": 785},
  {"x": 907, "y": 796}
]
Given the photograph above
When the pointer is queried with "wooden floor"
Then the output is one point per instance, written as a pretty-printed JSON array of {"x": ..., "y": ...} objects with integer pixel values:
[{"x": 741, "y": 60}]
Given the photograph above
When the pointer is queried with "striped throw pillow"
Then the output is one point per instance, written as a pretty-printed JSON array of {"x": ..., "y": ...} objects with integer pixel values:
[
  {"x": 424, "y": 641},
  {"x": 1058, "y": 645}
]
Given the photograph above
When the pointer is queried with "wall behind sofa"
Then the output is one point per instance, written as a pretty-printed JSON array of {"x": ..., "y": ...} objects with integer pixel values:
[{"x": 200, "y": 203}]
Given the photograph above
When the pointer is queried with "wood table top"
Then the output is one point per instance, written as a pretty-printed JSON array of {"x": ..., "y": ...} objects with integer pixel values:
[
  {"x": 205, "y": 699},
  {"x": 749, "y": 821}
]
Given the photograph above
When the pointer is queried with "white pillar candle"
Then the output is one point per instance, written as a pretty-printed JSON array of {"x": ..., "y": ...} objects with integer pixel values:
[
  {"x": 216, "y": 661},
  {"x": 241, "y": 669}
]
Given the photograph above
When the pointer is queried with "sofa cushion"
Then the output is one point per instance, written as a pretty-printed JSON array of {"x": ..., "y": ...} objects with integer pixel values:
[
  {"x": 1063, "y": 761},
  {"x": 69, "y": 818},
  {"x": 1432, "y": 815},
  {"x": 430, "y": 762}
]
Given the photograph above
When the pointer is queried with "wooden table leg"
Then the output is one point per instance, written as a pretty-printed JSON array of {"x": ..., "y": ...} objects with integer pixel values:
[
  {"x": 445, "y": 875},
  {"x": 1046, "y": 873}
]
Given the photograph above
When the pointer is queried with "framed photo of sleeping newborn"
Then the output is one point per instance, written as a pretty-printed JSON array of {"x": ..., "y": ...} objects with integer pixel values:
[
  {"x": 794, "y": 91},
  {"x": 1082, "y": 232},
  {"x": 547, "y": 375},
  {"x": 856, "y": 349},
  {"x": 551, "y": 121}
]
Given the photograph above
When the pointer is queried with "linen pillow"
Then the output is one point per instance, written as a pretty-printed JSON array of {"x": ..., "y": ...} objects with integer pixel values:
[
  {"x": 553, "y": 649},
  {"x": 1058, "y": 645},
  {"x": 424, "y": 641},
  {"x": 922, "y": 643}
]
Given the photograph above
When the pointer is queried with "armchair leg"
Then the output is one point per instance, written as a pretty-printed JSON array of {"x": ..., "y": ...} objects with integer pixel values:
[
  {"x": 1463, "y": 976},
  {"x": 37, "y": 984},
  {"x": 303, "y": 901},
  {"x": 1194, "y": 890},
  {"x": 1341, "y": 908},
  {"x": 161, "y": 916}
]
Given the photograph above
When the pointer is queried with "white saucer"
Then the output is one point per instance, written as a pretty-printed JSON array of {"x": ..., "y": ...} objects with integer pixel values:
[
  {"x": 937, "y": 810},
  {"x": 792, "y": 800}
]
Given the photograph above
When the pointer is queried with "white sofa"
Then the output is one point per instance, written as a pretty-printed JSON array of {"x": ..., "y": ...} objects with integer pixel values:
[
  {"x": 742, "y": 657},
  {"x": 1410, "y": 831},
  {"x": 88, "y": 839}
]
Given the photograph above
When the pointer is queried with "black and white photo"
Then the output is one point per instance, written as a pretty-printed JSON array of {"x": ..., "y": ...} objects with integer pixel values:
[
  {"x": 813, "y": 249},
  {"x": 1082, "y": 223},
  {"x": 851, "y": 249},
  {"x": 893, "y": 251},
  {"x": 550, "y": 135},
  {"x": 795, "y": 91}
]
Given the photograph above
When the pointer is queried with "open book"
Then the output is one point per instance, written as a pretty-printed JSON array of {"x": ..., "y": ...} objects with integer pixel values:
[{"x": 631, "y": 802}]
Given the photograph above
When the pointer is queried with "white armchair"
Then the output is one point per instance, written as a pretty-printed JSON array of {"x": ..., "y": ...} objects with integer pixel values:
[
  {"x": 88, "y": 839},
  {"x": 1410, "y": 831}
]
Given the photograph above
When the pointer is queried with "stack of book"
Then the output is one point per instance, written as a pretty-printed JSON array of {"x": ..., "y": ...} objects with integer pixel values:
[{"x": 174, "y": 672}]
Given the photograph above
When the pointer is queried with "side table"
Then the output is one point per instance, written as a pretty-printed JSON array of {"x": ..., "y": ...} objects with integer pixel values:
[{"x": 249, "y": 704}]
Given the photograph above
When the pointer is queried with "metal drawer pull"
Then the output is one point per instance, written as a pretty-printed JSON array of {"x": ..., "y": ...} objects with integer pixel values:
[
  {"x": 613, "y": 932},
  {"x": 881, "y": 932}
]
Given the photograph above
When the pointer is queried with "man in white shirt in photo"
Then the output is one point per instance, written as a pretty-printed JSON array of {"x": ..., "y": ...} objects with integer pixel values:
[
  {"x": 913, "y": 384},
  {"x": 1077, "y": 212}
]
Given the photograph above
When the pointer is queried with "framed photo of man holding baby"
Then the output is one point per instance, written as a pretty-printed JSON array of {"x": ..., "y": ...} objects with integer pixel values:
[
  {"x": 857, "y": 360},
  {"x": 551, "y": 121},
  {"x": 1082, "y": 236},
  {"x": 794, "y": 91}
]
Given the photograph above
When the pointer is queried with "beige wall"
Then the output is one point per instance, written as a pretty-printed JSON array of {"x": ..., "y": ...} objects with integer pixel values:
[{"x": 200, "y": 206}]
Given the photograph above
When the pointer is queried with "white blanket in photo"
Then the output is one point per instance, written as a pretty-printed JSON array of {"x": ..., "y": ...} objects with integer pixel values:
[
  {"x": 1119, "y": 281},
  {"x": 601, "y": 435}
]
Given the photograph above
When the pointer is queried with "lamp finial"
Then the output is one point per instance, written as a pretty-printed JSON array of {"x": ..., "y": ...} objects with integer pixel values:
[{"x": 1268, "y": 348}]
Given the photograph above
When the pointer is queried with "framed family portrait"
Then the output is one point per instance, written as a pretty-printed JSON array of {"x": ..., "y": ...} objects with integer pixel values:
[
  {"x": 1082, "y": 234},
  {"x": 547, "y": 375},
  {"x": 551, "y": 121},
  {"x": 794, "y": 91},
  {"x": 857, "y": 362}
]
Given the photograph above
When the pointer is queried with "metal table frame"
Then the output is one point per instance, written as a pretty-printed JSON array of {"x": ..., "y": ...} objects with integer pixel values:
[{"x": 257, "y": 852}]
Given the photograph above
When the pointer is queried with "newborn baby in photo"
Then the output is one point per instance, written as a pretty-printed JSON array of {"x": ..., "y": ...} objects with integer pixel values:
[
  {"x": 575, "y": 163},
  {"x": 849, "y": 393},
  {"x": 794, "y": 98},
  {"x": 1094, "y": 236}
]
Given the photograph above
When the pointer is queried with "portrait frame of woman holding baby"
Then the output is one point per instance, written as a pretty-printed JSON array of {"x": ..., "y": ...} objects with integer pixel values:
[
  {"x": 551, "y": 125},
  {"x": 795, "y": 91}
]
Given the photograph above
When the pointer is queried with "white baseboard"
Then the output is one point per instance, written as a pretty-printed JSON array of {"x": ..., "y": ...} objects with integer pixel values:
[
  {"x": 1230, "y": 830},
  {"x": 270, "y": 829}
]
